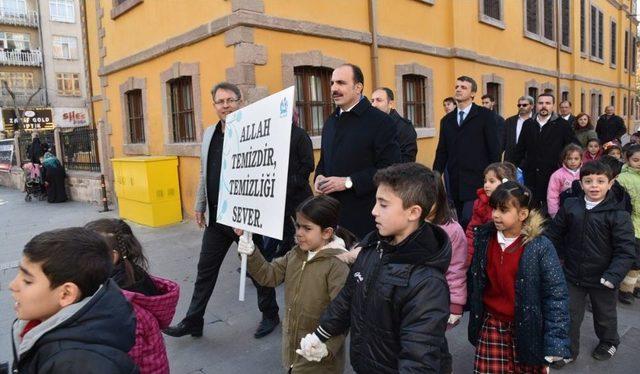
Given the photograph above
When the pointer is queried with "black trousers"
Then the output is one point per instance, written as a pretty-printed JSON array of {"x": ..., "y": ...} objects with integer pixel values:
[
  {"x": 215, "y": 243},
  {"x": 605, "y": 317},
  {"x": 464, "y": 210}
]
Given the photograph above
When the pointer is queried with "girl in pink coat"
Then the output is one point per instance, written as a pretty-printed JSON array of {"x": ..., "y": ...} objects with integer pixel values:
[
  {"x": 562, "y": 178},
  {"x": 456, "y": 274},
  {"x": 153, "y": 299}
]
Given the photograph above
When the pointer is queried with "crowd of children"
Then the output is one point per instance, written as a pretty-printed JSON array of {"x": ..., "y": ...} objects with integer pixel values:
[{"x": 86, "y": 303}]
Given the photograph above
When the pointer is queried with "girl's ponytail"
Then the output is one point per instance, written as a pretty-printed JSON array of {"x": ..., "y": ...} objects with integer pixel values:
[{"x": 349, "y": 238}]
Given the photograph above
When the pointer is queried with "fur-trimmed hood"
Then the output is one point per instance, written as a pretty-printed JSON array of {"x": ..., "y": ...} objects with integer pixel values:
[{"x": 533, "y": 227}]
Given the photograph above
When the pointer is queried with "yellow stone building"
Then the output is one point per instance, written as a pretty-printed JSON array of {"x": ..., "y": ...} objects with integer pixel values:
[{"x": 153, "y": 62}]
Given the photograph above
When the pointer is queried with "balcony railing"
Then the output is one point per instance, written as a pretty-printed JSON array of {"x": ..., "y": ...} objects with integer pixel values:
[
  {"x": 21, "y": 98},
  {"x": 17, "y": 18},
  {"x": 21, "y": 58}
]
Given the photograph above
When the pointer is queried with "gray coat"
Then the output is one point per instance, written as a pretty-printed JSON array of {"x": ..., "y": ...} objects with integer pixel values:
[{"x": 201, "y": 194}]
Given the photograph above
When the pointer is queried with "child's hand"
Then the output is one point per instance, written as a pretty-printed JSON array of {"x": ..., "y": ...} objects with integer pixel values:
[
  {"x": 453, "y": 321},
  {"x": 245, "y": 246},
  {"x": 349, "y": 257}
]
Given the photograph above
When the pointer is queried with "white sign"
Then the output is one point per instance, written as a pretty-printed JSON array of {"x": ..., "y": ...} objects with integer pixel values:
[
  {"x": 255, "y": 163},
  {"x": 70, "y": 117}
]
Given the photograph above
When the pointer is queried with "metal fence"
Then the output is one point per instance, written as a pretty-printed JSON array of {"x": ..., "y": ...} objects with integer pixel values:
[
  {"x": 47, "y": 141},
  {"x": 79, "y": 150}
]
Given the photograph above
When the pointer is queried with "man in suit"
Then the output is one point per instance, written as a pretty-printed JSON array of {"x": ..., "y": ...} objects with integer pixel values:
[
  {"x": 468, "y": 143},
  {"x": 218, "y": 238},
  {"x": 357, "y": 141},
  {"x": 383, "y": 99},
  {"x": 513, "y": 126},
  {"x": 610, "y": 126},
  {"x": 565, "y": 112},
  {"x": 538, "y": 150},
  {"x": 489, "y": 102}
]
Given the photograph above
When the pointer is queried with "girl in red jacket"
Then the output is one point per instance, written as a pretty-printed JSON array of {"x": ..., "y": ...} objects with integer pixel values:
[
  {"x": 153, "y": 299},
  {"x": 593, "y": 151},
  {"x": 494, "y": 175}
]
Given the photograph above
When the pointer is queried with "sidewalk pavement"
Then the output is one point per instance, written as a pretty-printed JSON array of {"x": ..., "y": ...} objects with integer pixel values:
[{"x": 228, "y": 345}]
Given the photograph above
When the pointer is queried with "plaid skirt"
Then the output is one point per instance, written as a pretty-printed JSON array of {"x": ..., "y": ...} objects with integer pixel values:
[{"x": 496, "y": 350}]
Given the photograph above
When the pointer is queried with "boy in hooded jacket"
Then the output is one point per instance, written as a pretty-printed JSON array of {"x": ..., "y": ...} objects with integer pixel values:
[
  {"x": 595, "y": 238},
  {"x": 396, "y": 300},
  {"x": 71, "y": 317}
]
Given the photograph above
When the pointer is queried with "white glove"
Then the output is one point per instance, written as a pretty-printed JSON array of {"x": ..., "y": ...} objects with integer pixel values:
[
  {"x": 552, "y": 359},
  {"x": 454, "y": 319},
  {"x": 606, "y": 283},
  {"x": 312, "y": 348},
  {"x": 245, "y": 246}
]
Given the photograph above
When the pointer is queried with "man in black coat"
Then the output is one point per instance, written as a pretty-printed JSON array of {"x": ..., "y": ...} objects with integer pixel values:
[
  {"x": 538, "y": 150},
  {"x": 468, "y": 144},
  {"x": 565, "y": 112},
  {"x": 610, "y": 127},
  {"x": 489, "y": 102},
  {"x": 383, "y": 99},
  {"x": 357, "y": 140},
  {"x": 513, "y": 126}
]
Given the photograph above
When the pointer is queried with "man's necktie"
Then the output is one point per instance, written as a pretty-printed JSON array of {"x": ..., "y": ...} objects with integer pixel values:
[{"x": 461, "y": 115}]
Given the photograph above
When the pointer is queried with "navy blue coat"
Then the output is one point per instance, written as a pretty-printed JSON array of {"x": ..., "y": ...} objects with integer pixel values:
[{"x": 542, "y": 298}]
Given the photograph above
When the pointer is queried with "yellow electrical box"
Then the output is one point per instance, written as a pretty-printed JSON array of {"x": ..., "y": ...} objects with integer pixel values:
[{"x": 148, "y": 189}]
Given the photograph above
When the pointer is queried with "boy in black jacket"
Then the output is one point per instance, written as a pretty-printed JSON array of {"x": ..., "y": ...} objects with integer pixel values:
[
  {"x": 595, "y": 238},
  {"x": 71, "y": 317},
  {"x": 396, "y": 298}
]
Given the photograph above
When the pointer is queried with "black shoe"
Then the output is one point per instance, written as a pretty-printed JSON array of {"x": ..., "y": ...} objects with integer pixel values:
[
  {"x": 625, "y": 297},
  {"x": 266, "y": 326},
  {"x": 182, "y": 329},
  {"x": 604, "y": 351},
  {"x": 557, "y": 365},
  {"x": 636, "y": 293}
]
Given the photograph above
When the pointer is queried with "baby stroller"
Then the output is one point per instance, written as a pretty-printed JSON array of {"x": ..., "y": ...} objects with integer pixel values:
[{"x": 33, "y": 185}]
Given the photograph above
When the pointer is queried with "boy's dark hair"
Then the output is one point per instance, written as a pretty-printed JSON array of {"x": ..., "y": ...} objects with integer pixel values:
[
  {"x": 227, "y": 87},
  {"x": 442, "y": 214},
  {"x": 631, "y": 149},
  {"x": 464, "y": 78},
  {"x": 502, "y": 170},
  {"x": 594, "y": 140},
  {"x": 487, "y": 96},
  {"x": 568, "y": 149},
  {"x": 596, "y": 168},
  {"x": 511, "y": 194},
  {"x": 449, "y": 100},
  {"x": 324, "y": 211},
  {"x": 613, "y": 163},
  {"x": 75, "y": 255},
  {"x": 119, "y": 237},
  {"x": 415, "y": 184}
]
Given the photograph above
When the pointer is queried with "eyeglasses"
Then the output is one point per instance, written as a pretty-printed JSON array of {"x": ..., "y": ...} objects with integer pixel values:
[
  {"x": 227, "y": 101},
  {"x": 522, "y": 105}
]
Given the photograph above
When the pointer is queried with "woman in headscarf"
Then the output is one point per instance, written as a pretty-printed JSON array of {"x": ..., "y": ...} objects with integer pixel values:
[{"x": 53, "y": 176}]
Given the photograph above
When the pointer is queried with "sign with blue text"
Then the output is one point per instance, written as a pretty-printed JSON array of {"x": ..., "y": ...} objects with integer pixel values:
[{"x": 255, "y": 162}]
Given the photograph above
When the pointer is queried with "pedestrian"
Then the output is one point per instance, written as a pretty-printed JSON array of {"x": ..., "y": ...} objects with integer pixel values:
[
  {"x": 610, "y": 127},
  {"x": 456, "y": 274},
  {"x": 71, "y": 318},
  {"x": 583, "y": 129},
  {"x": 313, "y": 276},
  {"x": 564, "y": 110},
  {"x": 489, "y": 102},
  {"x": 357, "y": 140},
  {"x": 395, "y": 302},
  {"x": 217, "y": 237},
  {"x": 595, "y": 238},
  {"x": 35, "y": 149},
  {"x": 593, "y": 151},
  {"x": 494, "y": 175},
  {"x": 153, "y": 299},
  {"x": 449, "y": 104},
  {"x": 519, "y": 317},
  {"x": 54, "y": 178},
  {"x": 383, "y": 99},
  {"x": 613, "y": 149},
  {"x": 629, "y": 178},
  {"x": 562, "y": 179},
  {"x": 513, "y": 126},
  {"x": 538, "y": 151},
  {"x": 468, "y": 143}
]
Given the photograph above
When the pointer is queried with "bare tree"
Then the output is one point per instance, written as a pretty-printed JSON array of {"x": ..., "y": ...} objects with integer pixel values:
[{"x": 18, "y": 125}]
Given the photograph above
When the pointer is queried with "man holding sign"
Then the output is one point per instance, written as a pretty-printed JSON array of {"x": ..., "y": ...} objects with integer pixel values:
[{"x": 218, "y": 237}]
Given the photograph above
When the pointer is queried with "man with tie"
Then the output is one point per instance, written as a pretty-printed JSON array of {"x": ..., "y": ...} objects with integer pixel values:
[{"x": 468, "y": 143}]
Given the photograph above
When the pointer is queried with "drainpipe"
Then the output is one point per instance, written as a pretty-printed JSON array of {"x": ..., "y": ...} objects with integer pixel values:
[
  {"x": 630, "y": 99},
  {"x": 373, "y": 25},
  {"x": 44, "y": 71},
  {"x": 558, "y": 44}
]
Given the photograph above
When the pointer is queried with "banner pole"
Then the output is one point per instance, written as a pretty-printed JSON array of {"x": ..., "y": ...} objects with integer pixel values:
[{"x": 243, "y": 268}]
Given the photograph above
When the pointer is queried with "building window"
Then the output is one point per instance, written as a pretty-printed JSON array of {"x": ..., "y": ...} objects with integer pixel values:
[
  {"x": 533, "y": 92},
  {"x": 612, "y": 100},
  {"x": 62, "y": 10},
  {"x": 624, "y": 106},
  {"x": 597, "y": 33},
  {"x": 182, "y": 120},
  {"x": 626, "y": 49},
  {"x": 493, "y": 90},
  {"x": 136, "y": 117},
  {"x": 313, "y": 97},
  {"x": 565, "y": 19},
  {"x": 15, "y": 41},
  {"x": 548, "y": 20},
  {"x": 492, "y": 9},
  {"x": 634, "y": 54},
  {"x": 565, "y": 96},
  {"x": 582, "y": 102},
  {"x": 65, "y": 47},
  {"x": 614, "y": 43},
  {"x": 68, "y": 84},
  {"x": 583, "y": 27},
  {"x": 414, "y": 102},
  {"x": 14, "y": 7},
  {"x": 532, "y": 16},
  {"x": 540, "y": 19},
  {"x": 17, "y": 82}
]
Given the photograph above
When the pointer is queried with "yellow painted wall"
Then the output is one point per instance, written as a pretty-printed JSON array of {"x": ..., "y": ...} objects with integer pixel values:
[{"x": 350, "y": 14}]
